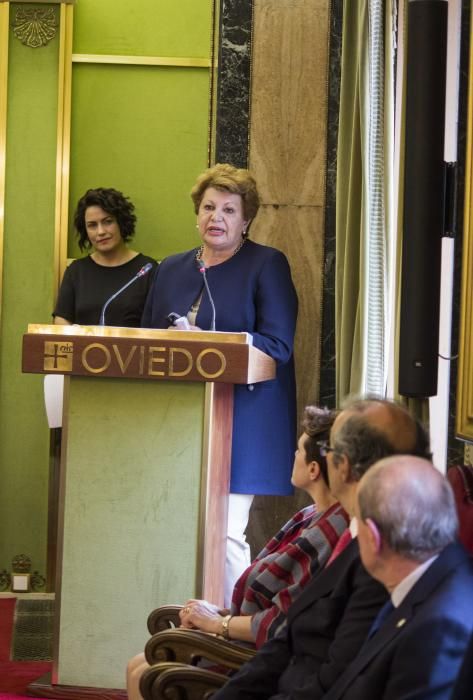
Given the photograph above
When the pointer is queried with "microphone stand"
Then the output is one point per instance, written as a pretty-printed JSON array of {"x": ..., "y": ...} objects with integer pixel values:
[
  {"x": 144, "y": 271},
  {"x": 204, "y": 274}
]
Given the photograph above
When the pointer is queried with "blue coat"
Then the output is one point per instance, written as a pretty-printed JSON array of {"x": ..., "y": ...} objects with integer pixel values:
[
  {"x": 417, "y": 651},
  {"x": 253, "y": 292},
  {"x": 464, "y": 683}
]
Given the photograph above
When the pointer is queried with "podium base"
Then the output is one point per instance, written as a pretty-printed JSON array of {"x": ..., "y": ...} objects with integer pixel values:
[{"x": 43, "y": 688}]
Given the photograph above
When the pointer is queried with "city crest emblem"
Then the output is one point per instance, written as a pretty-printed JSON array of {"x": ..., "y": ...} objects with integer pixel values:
[{"x": 58, "y": 356}]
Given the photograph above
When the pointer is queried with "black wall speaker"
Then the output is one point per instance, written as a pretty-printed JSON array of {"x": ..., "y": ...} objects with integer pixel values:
[{"x": 424, "y": 197}]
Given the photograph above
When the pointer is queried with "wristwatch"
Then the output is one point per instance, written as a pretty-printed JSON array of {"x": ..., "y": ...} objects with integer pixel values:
[{"x": 225, "y": 623}]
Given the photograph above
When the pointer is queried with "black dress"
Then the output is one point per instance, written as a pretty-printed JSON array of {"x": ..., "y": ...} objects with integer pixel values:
[{"x": 86, "y": 286}]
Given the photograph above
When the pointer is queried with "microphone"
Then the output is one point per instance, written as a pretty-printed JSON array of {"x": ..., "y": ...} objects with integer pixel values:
[
  {"x": 141, "y": 273},
  {"x": 202, "y": 269}
]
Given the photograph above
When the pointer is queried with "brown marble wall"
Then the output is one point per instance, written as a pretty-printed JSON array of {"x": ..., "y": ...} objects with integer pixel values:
[
  {"x": 288, "y": 121},
  {"x": 287, "y": 154}
]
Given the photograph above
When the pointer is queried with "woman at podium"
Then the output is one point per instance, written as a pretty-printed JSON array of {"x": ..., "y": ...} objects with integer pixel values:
[
  {"x": 109, "y": 286},
  {"x": 229, "y": 283}
]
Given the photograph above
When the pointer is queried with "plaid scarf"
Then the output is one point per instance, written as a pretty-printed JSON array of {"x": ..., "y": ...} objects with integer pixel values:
[{"x": 281, "y": 570}]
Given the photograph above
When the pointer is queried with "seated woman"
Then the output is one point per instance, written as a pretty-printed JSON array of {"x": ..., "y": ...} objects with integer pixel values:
[
  {"x": 105, "y": 222},
  {"x": 302, "y": 547}
]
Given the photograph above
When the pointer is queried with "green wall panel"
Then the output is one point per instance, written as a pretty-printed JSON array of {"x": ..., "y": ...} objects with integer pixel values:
[
  {"x": 143, "y": 27},
  {"x": 142, "y": 130},
  {"x": 27, "y": 296}
]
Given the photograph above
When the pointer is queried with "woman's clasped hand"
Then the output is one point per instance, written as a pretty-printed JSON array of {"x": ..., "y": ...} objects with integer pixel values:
[{"x": 200, "y": 614}]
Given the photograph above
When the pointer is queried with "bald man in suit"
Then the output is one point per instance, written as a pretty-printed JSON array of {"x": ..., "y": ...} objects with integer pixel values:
[{"x": 407, "y": 534}]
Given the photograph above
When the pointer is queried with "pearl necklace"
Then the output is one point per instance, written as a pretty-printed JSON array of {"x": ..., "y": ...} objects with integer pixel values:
[{"x": 200, "y": 251}]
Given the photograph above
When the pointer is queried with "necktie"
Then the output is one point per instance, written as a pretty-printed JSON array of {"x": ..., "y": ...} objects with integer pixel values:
[
  {"x": 342, "y": 543},
  {"x": 387, "y": 608}
]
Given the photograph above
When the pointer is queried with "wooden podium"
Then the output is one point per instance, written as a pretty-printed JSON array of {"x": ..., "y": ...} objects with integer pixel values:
[{"x": 145, "y": 463}]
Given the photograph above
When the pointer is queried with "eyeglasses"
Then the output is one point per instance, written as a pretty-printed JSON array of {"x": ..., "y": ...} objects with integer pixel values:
[{"x": 324, "y": 447}]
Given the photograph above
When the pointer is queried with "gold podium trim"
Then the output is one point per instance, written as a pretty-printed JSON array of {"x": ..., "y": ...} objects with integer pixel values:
[
  {"x": 135, "y": 353},
  {"x": 118, "y": 332}
]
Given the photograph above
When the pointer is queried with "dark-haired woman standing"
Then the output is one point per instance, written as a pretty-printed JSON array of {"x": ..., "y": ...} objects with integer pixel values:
[{"x": 105, "y": 223}]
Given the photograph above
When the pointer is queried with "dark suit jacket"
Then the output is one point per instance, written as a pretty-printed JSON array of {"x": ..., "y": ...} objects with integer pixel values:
[
  {"x": 418, "y": 650},
  {"x": 325, "y": 628},
  {"x": 463, "y": 689},
  {"x": 253, "y": 292}
]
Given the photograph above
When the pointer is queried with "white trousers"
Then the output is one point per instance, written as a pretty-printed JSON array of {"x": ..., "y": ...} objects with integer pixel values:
[{"x": 238, "y": 557}]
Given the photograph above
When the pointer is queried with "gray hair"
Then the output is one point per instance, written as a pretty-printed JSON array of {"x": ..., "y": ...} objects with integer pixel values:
[
  {"x": 362, "y": 444},
  {"x": 412, "y": 505},
  {"x": 365, "y": 443}
]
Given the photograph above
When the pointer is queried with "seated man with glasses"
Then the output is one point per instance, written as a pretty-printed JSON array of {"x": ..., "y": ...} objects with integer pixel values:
[{"x": 328, "y": 623}]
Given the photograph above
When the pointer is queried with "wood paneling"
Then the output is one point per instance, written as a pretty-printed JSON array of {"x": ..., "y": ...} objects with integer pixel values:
[
  {"x": 289, "y": 100},
  {"x": 288, "y": 138},
  {"x": 287, "y": 155},
  {"x": 298, "y": 232},
  {"x": 217, "y": 454}
]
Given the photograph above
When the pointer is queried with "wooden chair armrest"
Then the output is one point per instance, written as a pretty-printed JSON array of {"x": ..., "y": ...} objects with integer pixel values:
[
  {"x": 191, "y": 646},
  {"x": 171, "y": 680},
  {"x": 164, "y": 618}
]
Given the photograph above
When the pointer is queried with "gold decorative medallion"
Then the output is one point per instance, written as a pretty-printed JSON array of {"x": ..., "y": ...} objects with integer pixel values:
[
  {"x": 58, "y": 356},
  {"x": 5, "y": 580},
  {"x": 38, "y": 581},
  {"x": 21, "y": 564},
  {"x": 36, "y": 27}
]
